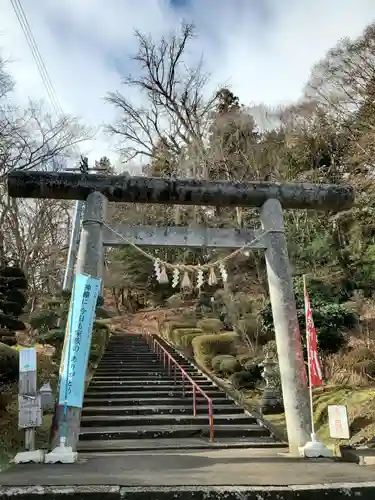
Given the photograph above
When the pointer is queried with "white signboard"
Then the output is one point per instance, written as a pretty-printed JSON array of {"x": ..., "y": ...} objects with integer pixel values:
[
  {"x": 30, "y": 411},
  {"x": 338, "y": 422},
  {"x": 27, "y": 360}
]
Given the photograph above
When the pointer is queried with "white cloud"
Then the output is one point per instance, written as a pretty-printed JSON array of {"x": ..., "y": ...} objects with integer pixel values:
[{"x": 263, "y": 48}]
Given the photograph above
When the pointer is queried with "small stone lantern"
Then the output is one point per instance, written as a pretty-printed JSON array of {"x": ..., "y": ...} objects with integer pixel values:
[
  {"x": 46, "y": 396},
  {"x": 270, "y": 399}
]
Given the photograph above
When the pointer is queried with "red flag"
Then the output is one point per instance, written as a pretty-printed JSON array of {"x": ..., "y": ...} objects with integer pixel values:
[{"x": 315, "y": 366}]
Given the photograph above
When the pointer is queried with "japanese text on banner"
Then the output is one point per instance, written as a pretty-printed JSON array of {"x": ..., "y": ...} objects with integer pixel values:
[
  {"x": 79, "y": 331},
  {"x": 315, "y": 367}
]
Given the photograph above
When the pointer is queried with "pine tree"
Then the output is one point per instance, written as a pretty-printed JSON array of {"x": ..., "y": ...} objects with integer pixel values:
[{"x": 13, "y": 284}]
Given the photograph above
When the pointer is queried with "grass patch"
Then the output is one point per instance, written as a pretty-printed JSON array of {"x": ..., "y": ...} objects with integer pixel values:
[
  {"x": 361, "y": 412},
  {"x": 12, "y": 438},
  {"x": 360, "y": 402}
]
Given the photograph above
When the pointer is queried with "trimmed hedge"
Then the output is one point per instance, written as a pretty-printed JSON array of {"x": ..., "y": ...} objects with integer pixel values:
[
  {"x": 244, "y": 379},
  {"x": 100, "y": 337},
  {"x": 178, "y": 333},
  {"x": 206, "y": 347},
  {"x": 216, "y": 361},
  {"x": 210, "y": 325},
  {"x": 245, "y": 358},
  {"x": 186, "y": 343},
  {"x": 229, "y": 366},
  {"x": 167, "y": 328}
]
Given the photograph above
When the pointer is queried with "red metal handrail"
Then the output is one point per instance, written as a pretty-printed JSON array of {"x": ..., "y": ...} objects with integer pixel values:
[{"x": 167, "y": 357}]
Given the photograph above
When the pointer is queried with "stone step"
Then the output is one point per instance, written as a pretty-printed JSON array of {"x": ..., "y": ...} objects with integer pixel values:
[
  {"x": 146, "y": 370},
  {"x": 130, "y": 353},
  {"x": 143, "y": 367},
  {"x": 146, "y": 373},
  {"x": 115, "y": 377},
  {"x": 136, "y": 402},
  {"x": 150, "y": 392},
  {"x": 178, "y": 431},
  {"x": 150, "y": 385},
  {"x": 145, "y": 363},
  {"x": 156, "y": 378},
  {"x": 132, "y": 348},
  {"x": 99, "y": 400},
  {"x": 154, "y": 420},
  {"x": 129, "y": 375},
  {"x": 126, "y": 375},
  {"x": 151, "y": 367},
  {"x": 159, "y": 410},
  {"x": 125, "y": 355},
  {"x": 133, "y": 364},
  {"x": 167, "y": 386},
  {"x": 198, "y": 443}
]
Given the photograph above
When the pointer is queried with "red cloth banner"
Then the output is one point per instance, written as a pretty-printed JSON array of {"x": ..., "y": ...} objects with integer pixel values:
[{"x": 315, "y": 366}]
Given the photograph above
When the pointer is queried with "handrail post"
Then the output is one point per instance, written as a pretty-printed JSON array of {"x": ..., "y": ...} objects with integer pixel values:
[
  {"x": 211, "y": 419},
  {"x": 183, "y": 384},
  {"x": 194, "y": 401}
]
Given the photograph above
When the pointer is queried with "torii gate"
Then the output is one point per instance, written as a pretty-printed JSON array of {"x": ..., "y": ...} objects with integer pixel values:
[{"x": 271, "y": 198}]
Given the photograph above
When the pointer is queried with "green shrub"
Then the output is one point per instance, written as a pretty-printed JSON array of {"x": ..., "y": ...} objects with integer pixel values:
[
  {"x": 178, "y": 333},
  {"x": 43, "y": 319},
  {"x": 102, "y": 313},
  {"x": 189, "y": 317},
  {"x": 210, "y": 325},
  {"x": 245, "y": 358},
  {"x": 216, "y": 361},
  {"x": 243, "y": 380},
  {"x": 331, "y": 318},
  {"x": 53, "y": 336},
  {"x": 270, "y": 349},
  {"x": 100, "y": 336},
  {"x": 186, "y": 343},
  {"x": 229, "y": 366},
  {"x": 206, "y": 347},
  {"x": 366, "y": 367},
  {"x": 167, "y": 327},
  {"x": 13, "y": 287},
  {"x": 175, "y": 301},
  {"x": 360, "y": 360}
]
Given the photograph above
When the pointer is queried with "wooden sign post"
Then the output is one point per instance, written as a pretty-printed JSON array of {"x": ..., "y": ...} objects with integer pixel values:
[{"x": 29, "y": 406}]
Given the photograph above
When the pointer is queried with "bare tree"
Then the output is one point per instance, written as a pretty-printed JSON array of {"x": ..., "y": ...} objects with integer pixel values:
[
  {"x": 176, "y": 111},
  {"x": 343, "y": 86},
  {"x": 33, "y": 232}
]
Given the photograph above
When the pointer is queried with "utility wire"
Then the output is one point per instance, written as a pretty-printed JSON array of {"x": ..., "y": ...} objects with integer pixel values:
[{"x": 22, "y": 19}]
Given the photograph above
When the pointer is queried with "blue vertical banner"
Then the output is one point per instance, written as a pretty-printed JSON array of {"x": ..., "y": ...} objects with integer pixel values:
[{"x": 79, "y": 327}]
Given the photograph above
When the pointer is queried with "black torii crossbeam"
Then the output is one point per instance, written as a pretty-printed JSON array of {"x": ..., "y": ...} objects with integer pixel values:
[{"x": 120, "y": 188}]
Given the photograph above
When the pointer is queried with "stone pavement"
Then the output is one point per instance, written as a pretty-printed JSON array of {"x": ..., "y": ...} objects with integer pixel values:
[{"x": 242, "y": 473}]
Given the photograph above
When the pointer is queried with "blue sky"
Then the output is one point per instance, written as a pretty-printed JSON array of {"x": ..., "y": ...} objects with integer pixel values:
[{"x": 263, "y": 49}]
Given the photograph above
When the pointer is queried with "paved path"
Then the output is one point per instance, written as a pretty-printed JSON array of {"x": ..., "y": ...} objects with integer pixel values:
[{"x": 238, "y": 467}]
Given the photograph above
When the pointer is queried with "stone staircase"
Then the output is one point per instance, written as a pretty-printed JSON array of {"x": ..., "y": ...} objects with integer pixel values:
[{"x": 134, "y": 404}]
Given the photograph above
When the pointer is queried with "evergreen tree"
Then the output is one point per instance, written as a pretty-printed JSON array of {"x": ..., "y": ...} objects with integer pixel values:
[{"x": 13, "y": 284}]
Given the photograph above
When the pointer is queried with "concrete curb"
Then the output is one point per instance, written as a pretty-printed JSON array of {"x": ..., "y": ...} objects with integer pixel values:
[
  {"x": 360, "y": 456},
  {"x": 362, "y": 491}
]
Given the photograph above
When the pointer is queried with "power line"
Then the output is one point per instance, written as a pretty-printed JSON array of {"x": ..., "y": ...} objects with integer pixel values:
[{"x": 22, "y": 19}]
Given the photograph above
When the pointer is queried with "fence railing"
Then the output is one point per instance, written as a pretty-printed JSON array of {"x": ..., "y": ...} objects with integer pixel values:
[{"x": 172, "y": 364}]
